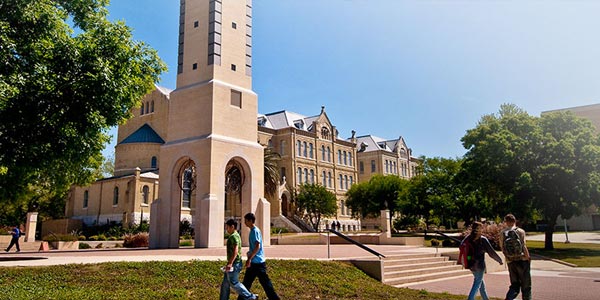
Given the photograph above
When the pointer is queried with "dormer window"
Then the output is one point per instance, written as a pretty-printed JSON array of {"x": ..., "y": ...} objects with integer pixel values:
[
  {"x": 325, "y": 133},
  {"x": 262, "y": 121},
  {"x": 299, "y": 124}
]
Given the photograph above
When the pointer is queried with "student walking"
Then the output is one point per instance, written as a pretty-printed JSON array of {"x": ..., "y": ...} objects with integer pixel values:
[
  {"x": 256, "y": 263},
  {"x": 234, "y": 265},
  {"x": 512, "y": 243},
  {"x": 16, "y": 233},
  {"x": 478, "y": 246}
]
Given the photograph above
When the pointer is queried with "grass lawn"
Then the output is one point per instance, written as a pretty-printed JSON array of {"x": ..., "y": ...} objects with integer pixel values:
[
  {"x": 293, "y": 279},
  {"x": 580, "y": 254}
]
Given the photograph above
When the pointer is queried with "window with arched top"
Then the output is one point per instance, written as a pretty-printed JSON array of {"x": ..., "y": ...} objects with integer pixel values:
[
  {"x": 152, "y": 106},
  {"x": 270, "y": 144},
  {"x": 304, "y": 153},
  {"x": 142, "y": 109},
  {"x": 312, "y": 176},
  {"x": 299, "y": 146},
  {"x": 341, "y": 186},
  {"x": 145, "y": 194},
  {"x": 323, "y": 152},
  {"x": 325, "y": 132},
  {"x": 350, "y": 158},
  {"x": 324, "y": 179},
  {"x": 154, "y": 162},
  {"x": 330, "y": 184},
  {"x": 147, "y": 107},
  {"x": 282, "y": 147},
  {"x": 346, "y": 181},
  {"x": 310, "y": 150},
  {"x": 299, "y": 175},
  {"x": 306, "y": 175},
  {"x": 116, "y": 195},
  {"x": 345, "y": 158},
  {"x": 328, "y": 154},
  {"x": 340, "y": 157}
]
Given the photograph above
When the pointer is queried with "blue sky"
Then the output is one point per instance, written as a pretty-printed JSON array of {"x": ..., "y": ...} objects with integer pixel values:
[{"x": 426, "y": 70}]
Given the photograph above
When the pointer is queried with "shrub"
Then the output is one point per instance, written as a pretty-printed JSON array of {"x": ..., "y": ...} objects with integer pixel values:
[
  {"x": 449, "y": 243},
  {"x": 185, "y": 243},
  {"x": 118, "y": 245},
  {"x": 82, "y": 238},
  {"x": 60, "y": 237},
  {"x": 99, "y": 246},
  {"x": 490, "y": 231},
  {"x": 84, "y": 246},
  {"x": 135, "y": 240},
  {"x": 435, "y": 242},
  {"x": 276, "y": 230},
  {"x": 112, "y": 238},
  {"x": 93, "y": 238}
]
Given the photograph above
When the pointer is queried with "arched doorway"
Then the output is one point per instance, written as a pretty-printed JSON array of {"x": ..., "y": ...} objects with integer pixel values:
[
  {"x": 284, "y": 205},
  {"x": 234, "y": 183}
]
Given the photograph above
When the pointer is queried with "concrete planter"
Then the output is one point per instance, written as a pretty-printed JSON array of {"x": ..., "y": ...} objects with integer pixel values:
[{"x": 62, "y": 245}]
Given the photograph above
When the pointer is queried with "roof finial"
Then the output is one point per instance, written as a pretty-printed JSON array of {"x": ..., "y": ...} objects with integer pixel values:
[{"x": 322, "y": 108}]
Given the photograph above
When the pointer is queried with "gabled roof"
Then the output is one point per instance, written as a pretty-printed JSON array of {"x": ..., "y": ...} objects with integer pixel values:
[
  {"x": 374, "y": 143},
  {"x": 165, "y": 91},
  {"x": 284, "y": 119},
  {"x": 144, "y": 134}
]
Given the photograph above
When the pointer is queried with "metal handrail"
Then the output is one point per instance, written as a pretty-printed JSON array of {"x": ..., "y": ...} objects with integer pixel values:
[
  {"x": 361, "y": 245},
  {"x": 447, "y": 236}
]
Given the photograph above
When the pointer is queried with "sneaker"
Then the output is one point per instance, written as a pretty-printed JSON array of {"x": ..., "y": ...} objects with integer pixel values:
[
  {"x": 18, "y": 251},
  {"x": 5, "y": 250}
]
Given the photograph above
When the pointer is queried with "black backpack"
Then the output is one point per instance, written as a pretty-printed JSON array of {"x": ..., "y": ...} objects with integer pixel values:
[{"x": 513, "y": 246}]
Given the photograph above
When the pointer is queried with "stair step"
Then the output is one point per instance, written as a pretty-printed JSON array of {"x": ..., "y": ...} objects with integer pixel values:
[
  {"x": 420, "y": 265},
  {"x": 421, "y": 271},
  {"x": 398, "y": 282},
  {"x": 411, "y": 261},
  {"x": 411, "y": 255}
]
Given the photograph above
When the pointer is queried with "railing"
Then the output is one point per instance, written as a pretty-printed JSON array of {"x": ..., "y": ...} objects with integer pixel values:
[
  {"x": 447, "y": 236},
  {"x": 347, "y": 238}
]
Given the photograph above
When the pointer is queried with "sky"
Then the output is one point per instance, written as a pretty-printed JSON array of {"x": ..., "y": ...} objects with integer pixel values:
[{"x": 425, "y": 70}]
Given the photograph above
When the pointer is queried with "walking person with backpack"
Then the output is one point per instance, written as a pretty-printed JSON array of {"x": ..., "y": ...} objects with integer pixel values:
[
  {"x": 472, "y": 256},
  {"x": 512, "y": 243}
]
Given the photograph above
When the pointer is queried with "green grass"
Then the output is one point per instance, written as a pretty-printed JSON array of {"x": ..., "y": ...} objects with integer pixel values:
[
  {"x": 298, "y": 279},
  {"x": 580, "y": 254}
]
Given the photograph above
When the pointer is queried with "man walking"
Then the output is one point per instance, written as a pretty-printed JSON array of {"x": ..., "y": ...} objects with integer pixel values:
[
  {"x": 234, "y": 265},
  {"x": 255, "y": 265},
  {"x": 16, "y": 233},
  {"x": 512, "y": 243}
]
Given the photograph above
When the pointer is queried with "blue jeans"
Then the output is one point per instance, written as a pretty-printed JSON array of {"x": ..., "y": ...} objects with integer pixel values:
[
  {"x": 231, "y": 280},
  {"x": 478, "y": 284}
]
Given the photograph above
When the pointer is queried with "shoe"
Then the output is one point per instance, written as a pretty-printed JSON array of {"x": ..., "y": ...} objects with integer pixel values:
[
  {"x": 255, "y": 297},
  {"x": 18, "y": 251},
  {"x": 5, "y": 250}
]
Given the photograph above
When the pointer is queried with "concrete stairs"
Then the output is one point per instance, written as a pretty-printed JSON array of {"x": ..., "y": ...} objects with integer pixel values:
[{"x": 404, "y": 269}]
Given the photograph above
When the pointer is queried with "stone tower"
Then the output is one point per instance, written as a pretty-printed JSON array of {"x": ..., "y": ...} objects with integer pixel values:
[{"x": 212, "y": 129}]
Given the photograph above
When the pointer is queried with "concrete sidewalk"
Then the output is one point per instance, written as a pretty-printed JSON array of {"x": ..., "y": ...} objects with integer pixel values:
[{"x": 551, "y": 281}]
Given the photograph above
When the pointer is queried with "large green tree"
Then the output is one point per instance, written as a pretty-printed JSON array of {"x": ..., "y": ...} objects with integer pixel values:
[
  {"x": 316, "y": 202},
  {"x": 536, "y": 168},
  {"x": 67, "y": 75}
]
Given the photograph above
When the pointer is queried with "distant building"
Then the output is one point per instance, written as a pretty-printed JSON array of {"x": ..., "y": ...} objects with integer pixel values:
[{"x": 590, "y": 219}]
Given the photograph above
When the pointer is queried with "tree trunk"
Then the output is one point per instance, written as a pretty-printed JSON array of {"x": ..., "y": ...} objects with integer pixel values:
[{"x": 548, "y": 244}]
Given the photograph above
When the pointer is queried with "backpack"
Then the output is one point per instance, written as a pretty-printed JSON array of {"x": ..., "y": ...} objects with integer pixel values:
[
  {"x": 466, "y": 254},
  {"x": 513, "y": 246}
]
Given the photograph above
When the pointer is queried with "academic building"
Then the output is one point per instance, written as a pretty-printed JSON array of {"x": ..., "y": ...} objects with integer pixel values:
[{"x": 207, "y": 139}]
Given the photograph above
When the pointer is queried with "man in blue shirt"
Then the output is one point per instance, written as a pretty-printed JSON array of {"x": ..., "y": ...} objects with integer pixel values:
[
  {"x": 255, "y": 265},
  {"x": 16, "y": 233}
]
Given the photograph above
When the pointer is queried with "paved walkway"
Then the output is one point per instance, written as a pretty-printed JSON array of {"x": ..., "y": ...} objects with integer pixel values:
[
  {"x": 592, "y": 237},
  {"x": 551, "y": 281}
]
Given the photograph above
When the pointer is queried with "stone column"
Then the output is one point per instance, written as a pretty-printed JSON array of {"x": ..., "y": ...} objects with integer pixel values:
[
  {"x": 30, "y": 226},
  {"x": 385, "y": 223}
]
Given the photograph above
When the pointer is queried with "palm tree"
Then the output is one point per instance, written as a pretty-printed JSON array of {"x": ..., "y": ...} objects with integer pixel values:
[{"x": 271, "y": 172}]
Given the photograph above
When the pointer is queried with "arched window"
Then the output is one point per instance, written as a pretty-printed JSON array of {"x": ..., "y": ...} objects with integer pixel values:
[
  {"x": 153, "y": 163},
  {"x": 147, "y": 107},
  {"x": 152, "y": 107},
  {"x": 299, "y": 176},
  {"x": 312, "y": 176},
  {"x": 345, "y": 158},
  {"x": 325, "y": 132},
  {"x": 282, "y": 147},
  {"x": 116, "y": 196},
  {"x": 342, "y": 207},
  {"x": 339, "y": 157},
  {"x": 299, "y": 146},
  {"x": 323, "y": 152},
  {"x": 145, "y": 194},
  {"x": 305, "y": 149},
  {"x": 310, "y": 150},
  {"x": 306, "y": 175},
  {"x": 328, "y": 154},
  {"x": 351, "y": 181},
  {"x": 270, "y": 144},
  {"x": 387, "y": 169},
  {"x": 324, "y": 179},
  {"x": 361, "y": 167},
  {"x": 350, "y": 158},
  {"x": 142, "y": 109},
  {"x": 341, "y": 187},
  {"x": 329, "y": 179},
  {"x": 186, "y": 187},
  {"x": 346, "y": 181},
  {"x": 86, "y": 198}
]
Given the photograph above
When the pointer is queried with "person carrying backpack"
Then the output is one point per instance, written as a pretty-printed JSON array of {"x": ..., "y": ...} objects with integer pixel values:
[
  {"x": 476, "y": 248},
  {"x": 512, "y": 243}
]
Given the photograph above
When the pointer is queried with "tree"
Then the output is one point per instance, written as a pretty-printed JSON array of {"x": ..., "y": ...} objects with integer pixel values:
[
  {"x": 317, "y": 202},
  {"x": 61, "y": 89},
  {"x": 537, "y": 168},
  {"x": 433, "y": 193},
  {"x": 271, "y": 175}
]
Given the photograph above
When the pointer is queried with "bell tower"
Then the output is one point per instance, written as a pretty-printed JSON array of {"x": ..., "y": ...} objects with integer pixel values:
[{"x": 211, "y": 126}]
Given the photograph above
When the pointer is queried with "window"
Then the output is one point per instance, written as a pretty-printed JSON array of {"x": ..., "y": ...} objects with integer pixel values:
[
  {"x": 310, "y": 150},
  {"x": 270, "y": 144},
  {"x": 233, "y": 67},
  {"x": 325, "y": 133},
  {"x": 323, "y": 152},
  {"x": 305, "y": 149},
  {"x": 196, "y": 24},
  {"x": 351, "y": 181},
  {"x": 299, "y": 146},
  {"x": 330, "y": 184},
  {"x": 346, "y": 181},
  {"x": 340, "y": 157},
  {"x": 86, "y": 198},
  {"x": 147, "y": 107},
  {"x": 312, "y": 176},
  {"x": 142, "y": 109},
  {"x": 350, "y": 158},
  {"x": 153, "y": 162},
  {"x": 299, "y": 176},
  {"x": 116, "y": 196},
  {"x": 328, "y": 154},
  {"x": 194, "y": 66},
  {"x": 345, "y": 158},
  {"x": 236, "y": 99},
  {"x": 186, "y": 187},
  {"x": 342, "y": 207},
  {"x": 341, "y": 186},
  {"x": 305, "y": 175},
  {"x": 361, "y": 167},
  {"x": 282, "y": 173},
  {"x": 324, "y": 179},
  {"x": 145, "y": 194},
  {"x": 373, "y": 166},
  {"x": 387, "y": 167},
  {"x": 282, "y": 148},
  {"x": 233, "y": 25},
  {"x": 152, "y": 106}
]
